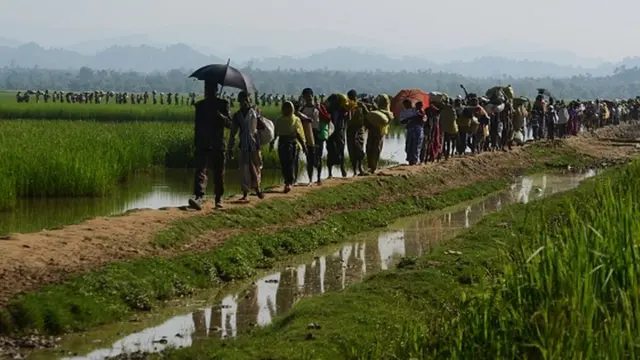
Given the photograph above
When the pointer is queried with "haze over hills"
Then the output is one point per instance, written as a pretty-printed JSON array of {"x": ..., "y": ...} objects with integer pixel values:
[{"x": 141, "y": 54}]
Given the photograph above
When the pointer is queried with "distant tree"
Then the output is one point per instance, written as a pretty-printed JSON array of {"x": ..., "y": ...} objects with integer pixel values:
[{"x": 624, "y": 83}]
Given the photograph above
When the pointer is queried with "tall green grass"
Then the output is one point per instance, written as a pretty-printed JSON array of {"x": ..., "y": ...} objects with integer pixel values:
[
  {"x": 40, "y": 158},
  {"x": 571, "y": 292},
  {"x": 47, "y": 158}
]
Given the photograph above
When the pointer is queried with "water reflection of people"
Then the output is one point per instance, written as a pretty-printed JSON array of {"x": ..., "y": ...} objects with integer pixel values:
[
  {"x": 372, "y": 255},
  {"x": 312, "y": 284},
  {"x": 333, "y": 273},
  {"x": 248, "y": 309},
  {"x": 362, "y": 255},
  {"x": 390, "y": 245},
  {"x": 352, "y": 272},
  {"x": 200, "y": 325},
  {"x": 287, "y": 291},
  {"x": 222, "y": 322},
  {"x": 413, "y": 235}
]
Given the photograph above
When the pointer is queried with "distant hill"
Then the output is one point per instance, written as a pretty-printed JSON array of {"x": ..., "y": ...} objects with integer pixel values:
[
  {"x": 142, "y": 58},
  {"x": 148, "y": 58},
  {"x": 349, "y": 59},
  {"x": 94, "y": 46}
]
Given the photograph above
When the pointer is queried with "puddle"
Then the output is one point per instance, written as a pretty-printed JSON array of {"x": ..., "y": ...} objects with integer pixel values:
[
  {"x": 168, "y": 188},
  {"x": 273, "y": 295}
]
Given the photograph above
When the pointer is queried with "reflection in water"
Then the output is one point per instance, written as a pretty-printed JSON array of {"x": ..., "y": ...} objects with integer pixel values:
[{"x": 276, "y": 293}]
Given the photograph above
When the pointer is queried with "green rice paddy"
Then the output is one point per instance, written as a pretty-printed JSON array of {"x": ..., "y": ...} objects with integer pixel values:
[{"x": 47, "y": 158}]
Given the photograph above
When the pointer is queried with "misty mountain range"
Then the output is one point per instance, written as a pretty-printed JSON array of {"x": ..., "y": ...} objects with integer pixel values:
[{"x": 129, "y": 55}]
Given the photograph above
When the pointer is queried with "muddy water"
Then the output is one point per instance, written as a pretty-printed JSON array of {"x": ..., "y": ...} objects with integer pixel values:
[
  {"x": 167, "y": 188},
  {"x": 232, "y": 312}
]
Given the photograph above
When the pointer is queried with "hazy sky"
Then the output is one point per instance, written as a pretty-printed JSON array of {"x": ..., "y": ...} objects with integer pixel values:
[{"x": 589, "y": 28}]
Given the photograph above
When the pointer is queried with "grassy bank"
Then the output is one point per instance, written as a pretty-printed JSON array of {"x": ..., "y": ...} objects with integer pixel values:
[
  {"x": 115, "y": 291},
  {"x": 366, "y": 192},
  {"x": 556, "y": 279}
]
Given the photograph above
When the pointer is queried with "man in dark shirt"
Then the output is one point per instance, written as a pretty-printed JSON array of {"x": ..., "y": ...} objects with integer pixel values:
[{"x": 212, "y": 117}]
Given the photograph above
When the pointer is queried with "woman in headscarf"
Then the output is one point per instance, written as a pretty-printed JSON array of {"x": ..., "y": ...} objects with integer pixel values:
[
  {"x": 289, "y": 133},
  {"x": 377, "y": 132},
  {"x": 337, "y": 105},
  {"x": 246, "y": 121},
  {"x": 355, "y": 132}
]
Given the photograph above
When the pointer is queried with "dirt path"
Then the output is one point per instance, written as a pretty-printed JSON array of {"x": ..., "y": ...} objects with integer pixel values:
[{"x": 30, "y": 260}]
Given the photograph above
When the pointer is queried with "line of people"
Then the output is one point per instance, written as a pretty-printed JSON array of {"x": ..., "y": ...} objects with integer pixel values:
[
  {"x": 304, "y": 127},
  {"x": 445, "y": 128},
  {"x": 475, "y": 124}
]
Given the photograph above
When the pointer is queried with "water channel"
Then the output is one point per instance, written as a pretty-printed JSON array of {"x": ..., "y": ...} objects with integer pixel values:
[{"x": 232, "y": 311}]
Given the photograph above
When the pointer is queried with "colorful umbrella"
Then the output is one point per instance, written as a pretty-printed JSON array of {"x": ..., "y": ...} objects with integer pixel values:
[{"x": 414, "y": 95}]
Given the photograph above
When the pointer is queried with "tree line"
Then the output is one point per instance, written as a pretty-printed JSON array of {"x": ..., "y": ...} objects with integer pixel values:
[{"x": 622, "y": 84}]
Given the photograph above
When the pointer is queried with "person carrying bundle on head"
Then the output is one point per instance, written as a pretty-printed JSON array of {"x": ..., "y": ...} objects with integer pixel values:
[
  {"x": 377, "y": 123},
  {"x": 355, "y": 132}
]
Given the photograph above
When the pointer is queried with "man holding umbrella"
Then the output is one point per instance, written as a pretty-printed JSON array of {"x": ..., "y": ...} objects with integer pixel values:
[{"x": 212, "y": 117}]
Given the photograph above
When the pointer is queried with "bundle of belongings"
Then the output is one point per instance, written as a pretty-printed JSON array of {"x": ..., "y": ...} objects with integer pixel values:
[{"x": 498, "y": 96}]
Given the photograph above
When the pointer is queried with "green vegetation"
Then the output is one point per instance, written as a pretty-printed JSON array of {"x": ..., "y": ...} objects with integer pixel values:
[
  {"x": 10, "y": 109},
  {"x": 58, "y": 158},
  {"x": 557, "y": 278},
  {"x": 79, "y": 158},
  {"x": 341, "y": 211},
  {"x": 113, "y": 292}
]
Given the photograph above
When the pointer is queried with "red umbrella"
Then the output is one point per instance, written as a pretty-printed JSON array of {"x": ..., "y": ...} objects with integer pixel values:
[{"x": 414, "y": 95}]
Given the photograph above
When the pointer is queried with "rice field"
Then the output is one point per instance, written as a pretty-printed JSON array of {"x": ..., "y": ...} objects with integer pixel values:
[
  {"x": 65, "y": 158},
  {"x": 44, "y": 158}
]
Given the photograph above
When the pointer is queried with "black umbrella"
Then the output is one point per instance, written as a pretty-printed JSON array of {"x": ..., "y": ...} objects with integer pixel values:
[
  {"x": 224, "y": 75},
  {"x": 542, "y": 91}
]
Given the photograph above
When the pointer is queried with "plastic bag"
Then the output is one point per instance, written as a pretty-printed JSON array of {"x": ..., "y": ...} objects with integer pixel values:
[{"x": 268, "y": 133}]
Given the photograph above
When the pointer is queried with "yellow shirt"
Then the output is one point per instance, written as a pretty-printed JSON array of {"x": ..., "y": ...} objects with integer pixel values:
[
  {"x": 287, "y": 125},
  {"x": 290, "y": 126}
]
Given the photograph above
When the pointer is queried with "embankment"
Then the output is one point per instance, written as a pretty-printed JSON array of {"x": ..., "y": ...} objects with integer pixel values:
[
  {"x": 152, "y": 252},
  {"x": 554, "y": 278}
]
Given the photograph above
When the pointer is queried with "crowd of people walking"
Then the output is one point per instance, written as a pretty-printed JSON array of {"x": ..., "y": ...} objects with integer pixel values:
[{"x": 435, "y": 131}]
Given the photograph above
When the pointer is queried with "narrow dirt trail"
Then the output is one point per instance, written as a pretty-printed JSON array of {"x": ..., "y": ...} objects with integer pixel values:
[{"x": 30, "y": 260}]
